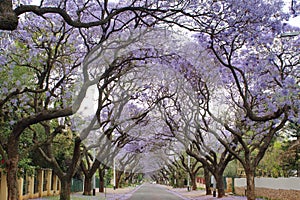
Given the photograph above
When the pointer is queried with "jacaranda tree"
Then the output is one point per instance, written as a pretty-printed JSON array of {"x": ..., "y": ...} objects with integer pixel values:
[
  {"x": 49, "y": 49},
  {"x": 255, "y": 61},
  {"x": 257, "y": 86}
]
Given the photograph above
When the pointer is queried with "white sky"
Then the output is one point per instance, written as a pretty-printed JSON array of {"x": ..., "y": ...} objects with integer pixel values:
[{"x": 295, "y": 21}]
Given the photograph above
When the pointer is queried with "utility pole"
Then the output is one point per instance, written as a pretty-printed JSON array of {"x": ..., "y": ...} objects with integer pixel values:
[
  {"x": 114, "y": 173},
  {"x": 94, "y": 176},
  {"x": 188, "y": 177}
]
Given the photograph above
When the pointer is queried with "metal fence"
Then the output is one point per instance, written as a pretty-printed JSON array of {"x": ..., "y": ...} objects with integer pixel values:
[{"x": 77, "y": 185}]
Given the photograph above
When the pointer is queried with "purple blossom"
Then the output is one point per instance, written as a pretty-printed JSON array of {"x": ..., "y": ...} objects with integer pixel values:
[
  {"x": 18, "y": 83},
  {"x": 2, "y": 61},
  {"x": 5, "y": 90},
  {"x": 48, "y": 94},
  {"x": 289, "y": 81},
  {"x": 13, "y": 101},
  {"x": 68, "y": 95},
  {"x": 285, "y": 92}
]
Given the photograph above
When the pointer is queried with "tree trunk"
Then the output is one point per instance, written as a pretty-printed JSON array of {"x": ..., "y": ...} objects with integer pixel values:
[
  {"x": 193, "y": 181},
  {"x": 250, "y": 192},
  {"x": 118, "y": 178},
  {"x": 207, "y": 181},
  {"x": 65, "y": 190},
  {"x": 12, "y": 168},
  {"x": 8, "y": 18},
  {"x": 130, "y": 180},
  {"x": 220, "y": 185},
  {"x": 87, "y": 190},
  {"x": 101, "y": 180}
]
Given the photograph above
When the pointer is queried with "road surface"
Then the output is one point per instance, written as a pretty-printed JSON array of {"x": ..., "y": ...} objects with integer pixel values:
[{"x": 153, "y": 192}]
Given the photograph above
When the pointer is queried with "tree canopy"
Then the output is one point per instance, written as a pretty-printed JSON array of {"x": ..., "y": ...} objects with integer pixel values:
[{"x": 218, "y": 80}]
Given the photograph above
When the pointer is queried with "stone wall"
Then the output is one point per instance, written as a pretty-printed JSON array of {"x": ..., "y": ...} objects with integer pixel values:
[
  {"x": 272, "y": 188},
  {"x": 274, "y": 194}
]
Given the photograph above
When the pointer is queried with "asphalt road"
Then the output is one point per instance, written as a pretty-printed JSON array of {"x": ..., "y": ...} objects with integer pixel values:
[{"x": 153, "y": 192}]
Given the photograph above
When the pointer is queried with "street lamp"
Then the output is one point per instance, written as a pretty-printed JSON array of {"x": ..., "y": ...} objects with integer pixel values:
[
  {"x": 188, "y": 178},
  {"x": 105, "y": 182},
  {"x": 114, "y": 163},
  {"x": 94, "y": 176}
]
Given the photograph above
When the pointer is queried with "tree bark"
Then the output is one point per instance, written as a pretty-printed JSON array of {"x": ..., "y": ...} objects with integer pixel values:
[
  {"x": 8, "y": 18},
  {"x": 118, "y": 178},
  {"x": 207, "y": 181},
  {"x": 65, "y": 190},
  {"x": 193, "y": 181},
  {"x": 87, "y": 190},
  {"x": 130, "y": 179},
  {"x": 250, "y": 192},
  {"x": 220, "y": 185},
  {"x": 64, "y": 176},
  {"x": 12, "y": 168},
  {"x": 101, "y": 181}
]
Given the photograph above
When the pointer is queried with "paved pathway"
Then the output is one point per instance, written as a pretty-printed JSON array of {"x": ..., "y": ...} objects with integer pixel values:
[
  {"x": 153, "y": 192},
  {"x": 148, "y": 191}
]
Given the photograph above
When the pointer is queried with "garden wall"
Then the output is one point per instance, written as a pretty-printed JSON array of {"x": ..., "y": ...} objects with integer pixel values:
[
  {"x": 42, "y": 183},
  {"x": 272, "y": 188}
]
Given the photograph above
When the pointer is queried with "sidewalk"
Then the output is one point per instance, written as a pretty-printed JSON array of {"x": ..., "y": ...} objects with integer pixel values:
[
  {"x": 126, "y": 193},
  {"x": 200, "y": 195},
  {"x": 109, "y": 194}
]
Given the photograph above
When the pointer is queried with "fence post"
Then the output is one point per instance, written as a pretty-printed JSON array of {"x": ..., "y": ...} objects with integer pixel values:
[
  {"x": 49, "y": 181},
  {"x": 55, "y": 185},
  {"x": 31, "y": 186},
  {"x": 20, "y": 182},
  {"x": 40, "y": 182},
  {"x": 3, "y": 185}
]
